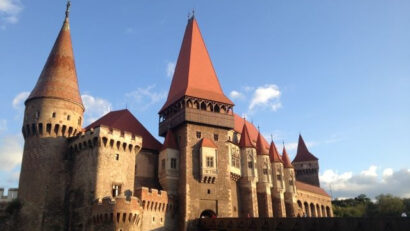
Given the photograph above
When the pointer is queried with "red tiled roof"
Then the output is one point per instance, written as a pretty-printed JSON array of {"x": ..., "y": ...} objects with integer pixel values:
[
  {"x": 274, "y": 154},
  {"x": 125, "y": 121},
  {"x": 285, "y": 159},
  {"x": 311, "y": 188},
  {"x": 253, "y": 131},
  {"x": 205, "y": 142},
  {"x": 170, "y": 141},
  {"x": 194, "y": 73},
  {"x": 303, "y": 153},
  {"x": 245, "y": 141},
  {"x": 59, "y": 77},
  {"x": 260, "y": 149}
]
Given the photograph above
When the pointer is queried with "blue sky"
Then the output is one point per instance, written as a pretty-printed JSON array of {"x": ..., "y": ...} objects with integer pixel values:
[{"x": 336, "y": 71}]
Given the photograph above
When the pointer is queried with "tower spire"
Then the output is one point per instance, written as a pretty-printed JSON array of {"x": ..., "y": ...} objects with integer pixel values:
[{"x": 67, "y": 10}]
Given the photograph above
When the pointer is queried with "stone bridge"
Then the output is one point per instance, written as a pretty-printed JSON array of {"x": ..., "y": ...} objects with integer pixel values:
[{"x": 305, "y": 224}]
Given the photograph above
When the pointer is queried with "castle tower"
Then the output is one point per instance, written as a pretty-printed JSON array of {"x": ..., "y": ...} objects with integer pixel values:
[
  {"x": 197, "y": 108},
  {"x": 306, "y": 165},
  {"x": 53, "y": 113},
  {"x": 278, "y": 183},
  {"x": 290, "y": 185},
  {"x": 249, "y": 179},
  {"x": 168, "y": 164},
  {"x": 264, "y": 179}
]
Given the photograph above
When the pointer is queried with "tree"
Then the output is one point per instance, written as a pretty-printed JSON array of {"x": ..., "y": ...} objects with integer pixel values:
[{"x": 388, "y": 205}]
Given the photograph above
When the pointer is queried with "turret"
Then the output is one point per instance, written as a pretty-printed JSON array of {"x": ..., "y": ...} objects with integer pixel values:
[
  {"x": 53, "y": 113},
  {"x": 247, "y": 182},
  {"x": 264, "y": 179},
  {"x": 290, "y": 186},
  {"x": 168, "y": 164},
  {"x": 278, "y": 183},
  {"x": 306, "y": 165}
]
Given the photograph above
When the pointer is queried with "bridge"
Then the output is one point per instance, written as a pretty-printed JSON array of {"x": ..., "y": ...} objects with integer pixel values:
[{"x": 305, "y": 224}]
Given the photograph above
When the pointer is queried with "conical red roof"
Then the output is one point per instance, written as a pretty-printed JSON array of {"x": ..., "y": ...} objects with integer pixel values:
[
  {"x": 170, "y": 141},
  {"x": 59, "y": 77},
  {"x": 274, "y": 154},
  {"x": 285, "y": 158},
  {"x": 125, "y": 121},
  {"x": 194, "y": 73},
  {"x": 245, "y": 141},
  {"x": 303, "y": 153},
  {"x": 260, "y": 149}
]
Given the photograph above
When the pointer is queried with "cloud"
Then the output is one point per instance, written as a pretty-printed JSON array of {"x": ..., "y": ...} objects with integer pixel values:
[
  {"x": 236, "y": 95},
  {"x": 266, "y": 96},
  {"x": 170, "y": 69},
  {"x": 19, "y": 99},
  {"x": 9, "y": 12},
  {"x": 11, "y": 152},
  {"x": 143, "y": 98},
  {"x": 94, "y": 107},
  {"x": 369, "y": 182},
  {"x": 3, "y": 125}
]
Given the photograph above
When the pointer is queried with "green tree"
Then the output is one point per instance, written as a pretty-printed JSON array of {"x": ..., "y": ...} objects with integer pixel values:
[{"x": 388, "y": 205}]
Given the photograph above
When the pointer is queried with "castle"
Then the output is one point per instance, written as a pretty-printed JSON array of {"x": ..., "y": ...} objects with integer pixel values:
[{"x": 114, "y": 175}]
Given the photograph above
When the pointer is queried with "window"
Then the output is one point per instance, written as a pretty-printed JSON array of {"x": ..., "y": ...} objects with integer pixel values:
[
  {"x": 209, "y": 191},
  {"x": 291, "y": 182},
  {"x": 209, "y": 162},
  {"x": 250, "y": 164},
  {"x": 117, "y": 156},
  {"x": 54, "y": 115},
  {"x": 37, "y": 115},
  {"x": 198, "y": 135},
  {"x": 279, "y": 177},
  {"x": 79, "y": 121},
  {"x": 265, "y": 171},
  {"x": 68, "y": 117},
  {"x": 116, "y": 190},
  {"x": 216, "y": 137},
  {"x": 163, "y": 164},
  {"x": 173, "y": 163}
]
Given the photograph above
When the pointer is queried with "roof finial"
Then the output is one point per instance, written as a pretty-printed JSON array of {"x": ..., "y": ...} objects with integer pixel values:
[
  {"x": 191, "y": 14},
  {"x": 67, "y": 11},
  {"x": 271, "y": 137}
]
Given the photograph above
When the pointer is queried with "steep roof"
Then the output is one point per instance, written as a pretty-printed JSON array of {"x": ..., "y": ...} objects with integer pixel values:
[
  {"x": 59, "y": 76},
  {"x": 245, "y": 141},
  {"x": 125, "y": 121},
  {"x": 260, "y": 148},
  {"x": 205, "y": 142},
  {"x": 170, "y": 141},
  {"x": 274, "y": 154},
  {"x": 303, "y": 153},
  {"x": 285, "y": 159},
  {"x": 194, "y": 73},
  {"x": 253, "y": 131},
  {"x": 311, "y": 188}
]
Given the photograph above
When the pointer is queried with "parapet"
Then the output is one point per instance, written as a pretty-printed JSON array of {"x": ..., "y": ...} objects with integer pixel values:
[
  {"x": 119, "y": 212},
  {"x": 155, "y": 200}
]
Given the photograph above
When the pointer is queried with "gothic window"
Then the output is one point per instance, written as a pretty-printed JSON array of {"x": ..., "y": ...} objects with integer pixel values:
[
  {"x": 279, "y": 177},
  {"x": 265, "y": 171},
  {"x": 216, "y": 137},
  {"x": 209, "y": 162},
  {"x": 116, "y": 190},
  {"x": 198, "y": 134},
  {"x": 163, "y": 164},
  {"x": 173, "y": 163},
  {"x": 250, "y": 164}
]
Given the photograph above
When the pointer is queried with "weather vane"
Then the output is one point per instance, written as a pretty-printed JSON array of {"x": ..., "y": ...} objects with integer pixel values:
[{"x": 67, "y": 11}]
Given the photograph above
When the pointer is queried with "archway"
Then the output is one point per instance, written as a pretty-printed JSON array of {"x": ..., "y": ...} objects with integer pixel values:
[{"x": 208, "y": 214}]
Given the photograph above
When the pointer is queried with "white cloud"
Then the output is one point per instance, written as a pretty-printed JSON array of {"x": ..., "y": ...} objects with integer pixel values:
[
  {"x": 142, "y": 98},
  {"x": 94, "y": 107},
  {"x": 266, "y": 96},
  {"x": 9, "y": 12},
  {"x": 170, "y": 69},
  {"x": 3, "y": 125},
  {"x": 11, "y": 152},
  {"x": 236, "y": 95},
  {"x": 369, "y": 182},
  {"x": 19, "y": 99}
]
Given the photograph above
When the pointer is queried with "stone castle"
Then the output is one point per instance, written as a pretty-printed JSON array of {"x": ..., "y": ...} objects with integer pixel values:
[{"x": 113, "y": 175}]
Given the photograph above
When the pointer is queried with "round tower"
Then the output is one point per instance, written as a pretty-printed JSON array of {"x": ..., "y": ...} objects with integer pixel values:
[
  {"x": 264, "y": 179},
  {"x": 53, "y": 113},
  {"x": 290, "y": 185}
]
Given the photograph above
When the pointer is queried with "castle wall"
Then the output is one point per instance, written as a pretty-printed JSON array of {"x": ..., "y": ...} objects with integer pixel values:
[
  {"x": 146, "y": 169},
  {"x": 313, "y": 205},
  {"x": 196, "y": 197}
]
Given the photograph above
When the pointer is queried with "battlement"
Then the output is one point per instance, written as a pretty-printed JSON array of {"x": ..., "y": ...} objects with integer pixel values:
[
  {"x": 106, "y": 137},
  {"x": 119, "y": 211},
  {"x": 48, "y": 129},
  {"x": 11, "y": 195},
  {"x": 155, "y": 200}
]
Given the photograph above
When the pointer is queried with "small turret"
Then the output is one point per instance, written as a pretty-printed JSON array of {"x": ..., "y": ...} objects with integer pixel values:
[
  {"x": 168, "y": 164},
  {"x": 278, "y": 182},
  {"x": 290, "y": 186},
  {"x": 264, "y": 179}
]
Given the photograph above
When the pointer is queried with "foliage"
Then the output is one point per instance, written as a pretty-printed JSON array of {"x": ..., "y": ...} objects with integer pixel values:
[{"x": 385, "y": 205}]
